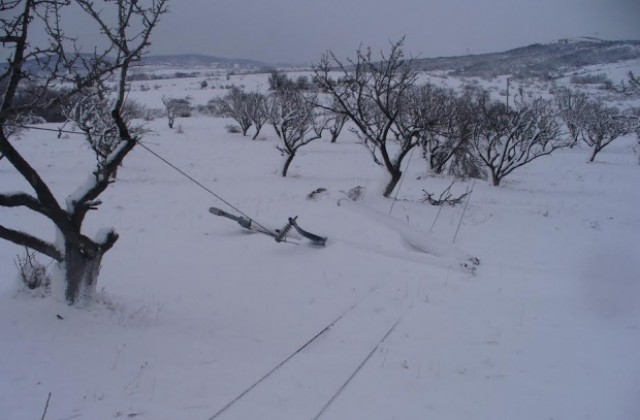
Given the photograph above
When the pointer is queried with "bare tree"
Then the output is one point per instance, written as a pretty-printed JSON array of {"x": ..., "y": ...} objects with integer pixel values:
[
  {"x": 372, "y": 95},
  {"x": 235, "y": 105},
  {"x": 446, "y": 121},
  {"x": 634, "y": 83},
  {"x": 176, "y": 107},
  {"x": 336, "y": 124},
  {"x": 633, "y": 114},
  {"x": 78, "y": 256},
  {"x": 602, "y": 125},
  {"x": 632, "y": 87},
  {"x": 91, "y": 113},
  {"x": 433, "y": 107},
  {"x": 571, "y": 106},
  {"x": 296, "y": 121},
  {"x": 258, "y": 111},
  {"x": 506, "y": 139},
  {"x": 279, "y": 81}
]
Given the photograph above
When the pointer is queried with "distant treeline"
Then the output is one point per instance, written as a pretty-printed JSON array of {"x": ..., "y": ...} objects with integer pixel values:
[{"x": 142, "y": 76}]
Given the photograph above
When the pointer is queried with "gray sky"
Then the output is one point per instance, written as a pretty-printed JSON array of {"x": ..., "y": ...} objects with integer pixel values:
[{"x": 299, "y": 31}]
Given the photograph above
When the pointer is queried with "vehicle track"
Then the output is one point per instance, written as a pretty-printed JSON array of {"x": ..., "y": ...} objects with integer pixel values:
[{"x": 307, "y": 379}]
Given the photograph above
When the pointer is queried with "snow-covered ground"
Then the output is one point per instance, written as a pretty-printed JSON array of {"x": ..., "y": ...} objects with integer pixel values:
[{"x": 194, "y": 311}]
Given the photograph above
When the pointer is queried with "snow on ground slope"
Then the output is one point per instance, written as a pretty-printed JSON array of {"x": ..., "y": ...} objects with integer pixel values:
[{"x": 194, "y": 311}]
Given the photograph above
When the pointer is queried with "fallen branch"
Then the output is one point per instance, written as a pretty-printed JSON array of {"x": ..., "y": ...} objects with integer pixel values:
[{"x": 446, "y": 197}]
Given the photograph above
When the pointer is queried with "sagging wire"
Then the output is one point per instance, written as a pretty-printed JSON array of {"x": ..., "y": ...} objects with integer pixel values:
[{"x": 174, "y": 167}]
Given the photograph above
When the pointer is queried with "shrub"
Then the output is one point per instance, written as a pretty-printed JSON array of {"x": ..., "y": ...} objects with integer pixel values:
[
  {"x": 232, "y": 128},
  {"x": 592, "y": 79},
  {"x": 31, "y": 272}
]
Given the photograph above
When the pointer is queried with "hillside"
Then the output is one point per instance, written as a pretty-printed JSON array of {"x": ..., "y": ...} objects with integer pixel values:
[
  {"x": 199, "y": 60},
  {"x": 521, "y": 302},
  {"x": 193, "y": 310},
  {"x": 537, "y": 60}
]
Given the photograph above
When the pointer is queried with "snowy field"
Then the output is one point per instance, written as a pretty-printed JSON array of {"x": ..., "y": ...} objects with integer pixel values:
[{"x": 382, "y": 323}]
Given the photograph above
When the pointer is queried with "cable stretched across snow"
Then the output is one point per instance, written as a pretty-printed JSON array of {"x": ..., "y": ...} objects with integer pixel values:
[
  {"x": 291, "y": 356},
  {"x": 171, "y": 165},
  {"x": 355, "y": 372}
]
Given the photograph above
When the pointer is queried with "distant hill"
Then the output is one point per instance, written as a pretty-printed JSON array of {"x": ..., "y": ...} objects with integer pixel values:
[
  {"x": 187, "y": 61},
  {"x": 178, "y": 61},
  {"x": 537, "y": 60}
]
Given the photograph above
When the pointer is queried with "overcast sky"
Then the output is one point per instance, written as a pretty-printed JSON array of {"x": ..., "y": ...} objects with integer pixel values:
[{"x": 299, "y": 31}]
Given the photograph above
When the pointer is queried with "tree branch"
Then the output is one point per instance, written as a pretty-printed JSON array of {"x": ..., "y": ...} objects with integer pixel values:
[{"x": 24, "y": 239}]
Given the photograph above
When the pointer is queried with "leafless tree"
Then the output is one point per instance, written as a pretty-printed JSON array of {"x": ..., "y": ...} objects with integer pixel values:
[
  {"x": 296, "y": 121},
  {"x": 506, "y": 139},
  {"x": 446, "y": 121},
  {"x": 336, "y": 124},
  {"x": 91, "y": 113},
  {"x": 51, "y": 63},
  {"x": 631, "y": 87},
  {"x": 433, "y": 107},
  {"x": 176, "y": 107},
  {"x": 634, "y": 83},
  {"x": 257, "y": 109},
  {"x": 571, "y": 106},
  {"x": 235, "y": 105},
  {"x": 371, "y": 94},
  {"x": 634, "y": 118},
  {"x": 279, "y": 81},
  {"x": 602, "y": 125}
]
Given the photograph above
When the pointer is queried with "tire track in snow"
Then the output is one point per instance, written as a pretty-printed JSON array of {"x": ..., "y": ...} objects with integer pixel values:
[
  {"x": 291, "y": 356},
  {"x": 308, "y": 377},
  {"x": 355, "y": 372}
]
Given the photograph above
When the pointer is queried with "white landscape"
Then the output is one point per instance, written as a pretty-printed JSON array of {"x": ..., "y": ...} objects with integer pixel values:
[
  {"x": 193, "y": 311},
  {"x": 352, "y": 286}
]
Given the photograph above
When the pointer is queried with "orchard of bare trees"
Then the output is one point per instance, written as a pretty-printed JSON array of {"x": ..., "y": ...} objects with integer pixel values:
[
  {"x": 592, "y": 121},
  {"x": 465, "y": 133}
]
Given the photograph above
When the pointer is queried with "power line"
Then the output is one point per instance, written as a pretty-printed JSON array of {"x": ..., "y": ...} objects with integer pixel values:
[
  {"x": 57, "y": 130},
  {"x": 177, "y": 169}
]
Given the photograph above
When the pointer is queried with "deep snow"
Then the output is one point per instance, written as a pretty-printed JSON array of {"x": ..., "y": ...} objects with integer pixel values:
[{"x": 193, "y": 310}]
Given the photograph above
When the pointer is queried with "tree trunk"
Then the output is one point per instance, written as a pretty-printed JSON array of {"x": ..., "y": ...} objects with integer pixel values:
[
  {"x": 439, "y": 167},
  {"x": 255, "y": 136},
  {"x": 285, "y": 168},
  {"x": 594, "y": 153},
  {"x": 433, "y": 161},
  {"x": 395, "y": 177},
  {"x": 81, "y": 274},
  {"x": 495, "y": 179}
]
